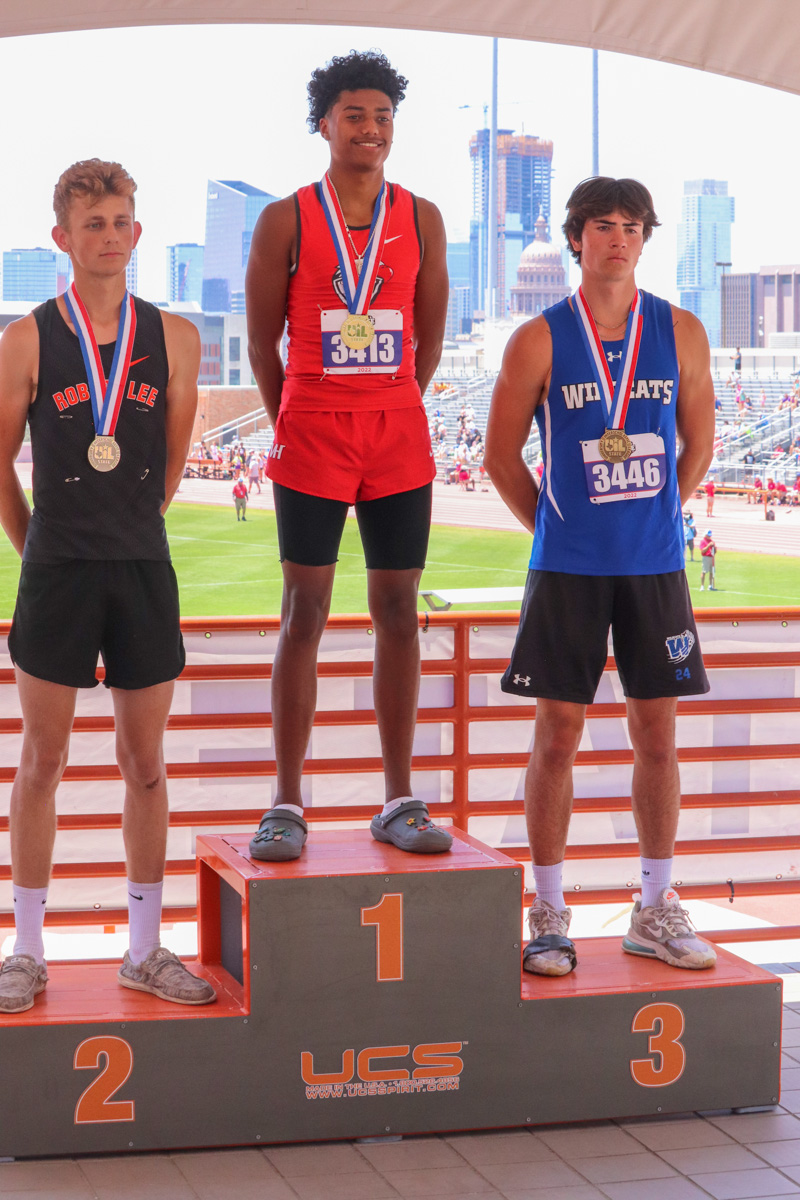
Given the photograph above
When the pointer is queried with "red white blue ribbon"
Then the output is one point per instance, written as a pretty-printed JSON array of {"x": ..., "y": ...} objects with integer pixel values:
[
  {"x": 615, "y": 396},
  {"x": 357, "y": 285},
  {"x": 106, "y": 396}
]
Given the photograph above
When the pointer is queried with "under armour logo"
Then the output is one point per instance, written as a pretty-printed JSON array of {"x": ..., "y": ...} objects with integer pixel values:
[
  {"x": 525, "y": 680},
  {"x": 611, "y": 356}
]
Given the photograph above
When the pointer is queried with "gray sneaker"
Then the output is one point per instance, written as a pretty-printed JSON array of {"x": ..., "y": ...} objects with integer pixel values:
[
  {"x": 163, "y": 974},
  {"x": 21, "y": 978},
  {"x": 550, "y": 951},
  {"x": 665, "y": 931}
]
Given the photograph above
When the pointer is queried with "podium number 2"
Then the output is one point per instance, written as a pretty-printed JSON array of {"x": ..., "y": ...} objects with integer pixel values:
[
  {"x": 387, "y": 917},
  {"x": 95, "y": 1105},
  {"x": 665, "y": 1024}
]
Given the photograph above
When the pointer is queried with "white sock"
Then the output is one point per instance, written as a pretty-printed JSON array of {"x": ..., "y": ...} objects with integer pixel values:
[
  {"x": 391, "y": 805},
  {"x": 29, "y": 909},
  {"x": 295, "y": 808},
  {"x": 144, "y": 919},
  {"x": 656, "y": 875},
  {"x": 548, "y": 885}
]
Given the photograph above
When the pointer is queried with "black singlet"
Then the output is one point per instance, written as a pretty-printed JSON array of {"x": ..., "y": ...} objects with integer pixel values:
[{"x": 79, "y": 512}]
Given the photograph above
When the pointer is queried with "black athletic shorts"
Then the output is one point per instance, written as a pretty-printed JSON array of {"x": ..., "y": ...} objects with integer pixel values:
[
  {"x": 562, "y": 642},
  {"x": 125, "y": 610},
  {"x": 394, "y": 529}
]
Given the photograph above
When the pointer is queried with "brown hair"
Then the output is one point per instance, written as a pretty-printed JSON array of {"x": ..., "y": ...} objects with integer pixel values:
[
  {"x": 601, "y": 195},
  {"x": 91, "y": 180}
]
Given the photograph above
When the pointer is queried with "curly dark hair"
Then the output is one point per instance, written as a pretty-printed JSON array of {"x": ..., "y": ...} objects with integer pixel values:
[
  {"x": 600, "y": 195},
  {"x": 350, "y": 73}
]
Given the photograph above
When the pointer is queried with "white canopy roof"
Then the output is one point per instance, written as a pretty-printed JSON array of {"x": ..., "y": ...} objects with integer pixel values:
[{"x": 755, "y": 40}]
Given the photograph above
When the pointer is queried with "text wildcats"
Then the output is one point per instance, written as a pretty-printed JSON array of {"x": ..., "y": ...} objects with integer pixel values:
[{"x": 577, "y": 394}]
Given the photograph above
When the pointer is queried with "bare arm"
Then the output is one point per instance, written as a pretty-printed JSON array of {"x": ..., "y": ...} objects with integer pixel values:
[
  {"x": 523, "y": 381},
  {"x": 695, "y": 411},
  {"x": 19, "y": 363},
  {"x": 183, "y": 356},
  {"x": 272, "y": 253},
  {"x": 431, "y": 294}
]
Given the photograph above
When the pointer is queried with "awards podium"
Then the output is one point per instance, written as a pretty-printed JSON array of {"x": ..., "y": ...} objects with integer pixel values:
[{"x": 368, "y": 992}]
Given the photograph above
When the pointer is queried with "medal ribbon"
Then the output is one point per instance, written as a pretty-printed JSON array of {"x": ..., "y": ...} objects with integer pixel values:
[
  {"x": 616, "y": 396},
  {"x": 106, "y": 396},
  {"x": 357, "y": 286}
]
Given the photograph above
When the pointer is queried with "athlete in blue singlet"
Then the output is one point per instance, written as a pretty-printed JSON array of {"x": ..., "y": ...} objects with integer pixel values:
[{"x": 612, "y": 377}]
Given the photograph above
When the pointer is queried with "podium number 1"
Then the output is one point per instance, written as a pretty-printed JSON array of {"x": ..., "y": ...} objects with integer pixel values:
[
  {"x": 665, "y": 1024},
  {"x": 387, "y": 917}
]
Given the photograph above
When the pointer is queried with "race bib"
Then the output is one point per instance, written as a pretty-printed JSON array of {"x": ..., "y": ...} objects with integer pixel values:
[
  {"x": 382, "y": 356},
  {"x": 637, "y": 478}
]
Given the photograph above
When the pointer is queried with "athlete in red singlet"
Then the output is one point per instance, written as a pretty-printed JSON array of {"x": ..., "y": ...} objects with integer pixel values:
[{"x": 357, "y": 268}]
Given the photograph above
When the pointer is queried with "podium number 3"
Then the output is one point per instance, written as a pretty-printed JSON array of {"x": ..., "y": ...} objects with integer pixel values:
[
  {"x": 95, "y": 1105},
  {"x": 387, "y": 917},
  {"x": 665, "y": 1024}
]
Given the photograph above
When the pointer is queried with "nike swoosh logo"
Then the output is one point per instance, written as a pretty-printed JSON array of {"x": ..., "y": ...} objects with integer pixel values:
[
  {"x": 138, "y": 360},
  {"x": 392, "y": 239},
  {"x": 131, "y": 893}
]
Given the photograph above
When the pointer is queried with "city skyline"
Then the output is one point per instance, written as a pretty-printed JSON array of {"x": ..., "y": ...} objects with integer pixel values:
[{"x": 660, "y": 123}]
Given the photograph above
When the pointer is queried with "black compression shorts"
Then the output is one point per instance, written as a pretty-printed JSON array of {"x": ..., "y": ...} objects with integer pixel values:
[
  {"x": 394, "y": 529},
  {"x": 124, "y": 610},
  {"x": 562, "y": 642}
]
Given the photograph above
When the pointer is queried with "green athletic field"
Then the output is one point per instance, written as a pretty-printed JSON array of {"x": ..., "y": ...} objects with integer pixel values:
[{"x": 227, "y": 568}]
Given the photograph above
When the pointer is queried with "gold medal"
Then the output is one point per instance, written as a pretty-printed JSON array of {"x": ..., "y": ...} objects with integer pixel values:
[
  {"x": 615, "y": 445},
  {"x": 104, "y": 453},
  {"x": 357, "y": 332}
]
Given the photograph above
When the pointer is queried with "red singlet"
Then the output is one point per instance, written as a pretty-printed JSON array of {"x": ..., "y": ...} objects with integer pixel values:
[{"x": 315, "y": 288}]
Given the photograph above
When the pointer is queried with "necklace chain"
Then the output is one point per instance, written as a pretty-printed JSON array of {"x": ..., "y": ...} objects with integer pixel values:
[{"x": 358, "y": 257}]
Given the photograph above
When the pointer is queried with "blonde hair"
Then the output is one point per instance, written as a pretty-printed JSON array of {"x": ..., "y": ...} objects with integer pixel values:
[{"x": 91, "y": 180}]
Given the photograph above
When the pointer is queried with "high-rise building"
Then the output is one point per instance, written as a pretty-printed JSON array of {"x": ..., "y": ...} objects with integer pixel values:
[
  {"x": 35, "y": 274},
  {"x": 232, "y": 209},
  {"x": 185, "y": 272},
  {"x": 459, "y": 312},
  {"x": 541, "y": 278},
  {"x": 458, "y": 264},
  {"x": 524, "y": 166},
  {"x": 739, "y": 310},
  {"x": 132, "y": 273},
  {"x": 704, "y": 250}
]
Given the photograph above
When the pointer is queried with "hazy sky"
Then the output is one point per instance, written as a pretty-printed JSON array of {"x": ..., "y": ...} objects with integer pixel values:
[{"x": 230, "y": 102}]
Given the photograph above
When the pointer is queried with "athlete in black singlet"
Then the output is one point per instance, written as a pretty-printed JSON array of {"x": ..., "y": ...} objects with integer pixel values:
[{"x": 96, "y": 573}]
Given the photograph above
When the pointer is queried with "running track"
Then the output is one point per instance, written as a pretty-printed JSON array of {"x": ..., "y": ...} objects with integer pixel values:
[{"x": 736, "y": 525}]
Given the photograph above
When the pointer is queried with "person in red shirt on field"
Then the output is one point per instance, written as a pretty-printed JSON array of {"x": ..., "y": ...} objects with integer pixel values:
[
  {"x": 708, "y": 557},
  {"x": 710, "y": 490},
  {"x": 240, "y": 498},
  {"x": 356, "y": 267}
]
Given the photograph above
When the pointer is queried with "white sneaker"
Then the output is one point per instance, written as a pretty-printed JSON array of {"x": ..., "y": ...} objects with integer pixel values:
[
  {"x": 550, "y": 951},
  {"x": 702, "y": 589},
  {"x": 665, "y": 931}
]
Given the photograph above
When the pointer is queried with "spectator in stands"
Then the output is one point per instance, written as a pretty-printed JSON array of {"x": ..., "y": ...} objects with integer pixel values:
[
  {"x": 240, "y": 498},
  {"x": 708, "y": 557},
  {"x": 737, "y": 361},
  {"x": 782, "y": 492},
  {"x": 771, "y": 490},
  {"x": 689, "y": 532},
  {"x": 710, "y": 490},
  {"x": 717, "y": 404}
]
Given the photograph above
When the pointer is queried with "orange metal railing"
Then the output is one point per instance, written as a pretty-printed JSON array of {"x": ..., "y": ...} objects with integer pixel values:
[{"x": 473, "y": 748}]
